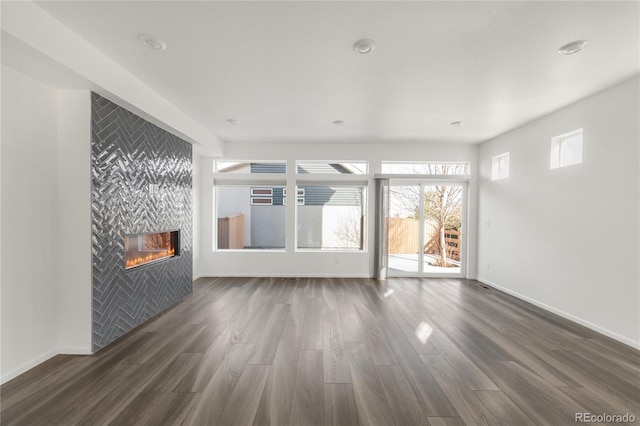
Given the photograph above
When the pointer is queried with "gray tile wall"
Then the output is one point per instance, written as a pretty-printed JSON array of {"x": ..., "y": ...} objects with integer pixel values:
[{"x": 141, "y": 182}]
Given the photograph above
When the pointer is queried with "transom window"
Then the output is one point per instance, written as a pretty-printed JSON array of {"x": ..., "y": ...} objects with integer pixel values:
[{"x": 425, "y": 168}]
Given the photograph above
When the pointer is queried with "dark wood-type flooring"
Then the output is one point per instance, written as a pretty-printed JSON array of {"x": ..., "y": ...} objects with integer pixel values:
[{"x": 243, "y": 351}]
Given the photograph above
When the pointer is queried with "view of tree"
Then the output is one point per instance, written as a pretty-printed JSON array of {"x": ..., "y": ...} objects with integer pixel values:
[{"x": 442, "y": 206}]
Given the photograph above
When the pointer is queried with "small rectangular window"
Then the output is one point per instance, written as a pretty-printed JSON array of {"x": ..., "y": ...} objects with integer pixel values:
[
  {"x": 500, "y": 166},
  {"x": 260, "y": 201},
  {"x": 425, "y": 168},
  {"x": 333, "y": 167},
  {"x": 262, "y": 192},
  {"x": 244, "y": 167},
  {"x": 566, "y": 149}
]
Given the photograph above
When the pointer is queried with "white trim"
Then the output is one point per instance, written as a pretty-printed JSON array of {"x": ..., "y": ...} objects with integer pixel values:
[
  {"x": 420, "y": 178},
  {"x": 332, "y": 180},
  {"x": 620, "y": 338},
  {"x": 279, "y": 275},
  {"x": 23, "y": 368},
  {"x": 77, "y": 350},
  {"x": 428, "y": 163},
  {"x": 249, "y": 179}
]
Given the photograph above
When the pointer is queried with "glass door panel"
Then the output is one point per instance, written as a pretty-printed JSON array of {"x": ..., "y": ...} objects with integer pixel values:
[
  {"x": 442, "y": 226},
  {"x": 404, "y": 230}
]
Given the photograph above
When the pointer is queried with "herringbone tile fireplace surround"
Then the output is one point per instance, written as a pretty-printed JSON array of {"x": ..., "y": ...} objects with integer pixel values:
[{"x": 141, "y": 182}]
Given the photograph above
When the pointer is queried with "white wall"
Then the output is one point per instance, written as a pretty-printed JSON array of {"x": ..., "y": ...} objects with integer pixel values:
[
  {"x": 29, "y": 223},
  {"x": 46, "y": 223},
  {"x": 568, "y": 239},
  {"x": 74, "y": 223},
  {"x": 290, "y": 262}
]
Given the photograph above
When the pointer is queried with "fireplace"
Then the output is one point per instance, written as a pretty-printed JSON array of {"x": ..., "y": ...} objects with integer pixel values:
[{"x": 150, "y": 247}]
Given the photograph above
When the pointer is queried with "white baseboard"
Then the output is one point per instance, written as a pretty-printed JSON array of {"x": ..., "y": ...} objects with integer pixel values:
[
  {"x": 10, "y": 375},
  {"x": 74, "y": 351},
  {"x": 612, "y": 334},
  {"x": 40, "y": 359},
  {"x": 279, "y": 275}
]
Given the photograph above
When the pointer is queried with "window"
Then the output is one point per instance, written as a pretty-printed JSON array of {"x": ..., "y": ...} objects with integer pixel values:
[
  {"x": 250, "y": 218},
  {"x": 425, "y": 168},
  {"x": 566, "y": 149},
  {"x": 332, "y": 218},
  {"x": 332, "y": 167},
  {"x": 244, "y": 167},
  {"x": 500, "y": 166}
]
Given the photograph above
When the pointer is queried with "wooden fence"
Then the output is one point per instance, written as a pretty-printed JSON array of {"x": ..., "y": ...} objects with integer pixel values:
[
  {"x": 404, "y": 238},
  {"x": 404, "y": 235},
  {"x": 231, "y": 232}
]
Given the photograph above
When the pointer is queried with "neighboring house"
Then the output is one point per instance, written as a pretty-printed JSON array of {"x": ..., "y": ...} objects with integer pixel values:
[{"x": 329, "y": 217}]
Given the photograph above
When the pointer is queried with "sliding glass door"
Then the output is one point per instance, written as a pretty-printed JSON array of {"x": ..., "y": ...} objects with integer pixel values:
[{"x": 426, "y": 225}]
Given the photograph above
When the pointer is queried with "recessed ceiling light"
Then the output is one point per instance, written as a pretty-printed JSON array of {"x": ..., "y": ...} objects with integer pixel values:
[
  {"x": 232, "y": 121},
  {"x": 573, "y": 47},
  {"x": 455, "y": 123},
  {"x": 338, "y": 123},
  {"x": 152, "y": 42},
  {"x": 364, "y": 46}
]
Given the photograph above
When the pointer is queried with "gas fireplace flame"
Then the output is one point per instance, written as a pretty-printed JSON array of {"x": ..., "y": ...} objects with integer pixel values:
[{"x": 149, "y": 257}]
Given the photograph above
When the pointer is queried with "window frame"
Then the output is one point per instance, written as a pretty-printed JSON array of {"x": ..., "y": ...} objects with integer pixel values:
[
  {"x": 559, "y": 144},
  {"x": 498, "y": 168},
  {"x": 364, "y": 207}
]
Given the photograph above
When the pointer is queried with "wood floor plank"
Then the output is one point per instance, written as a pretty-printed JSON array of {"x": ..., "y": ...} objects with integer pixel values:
[
  {"x": 352, "y": 329},
  {"x": 111, "y": 403},
  {"x": 595, "y": 403},
  {"x": 275, "y": 405},
  {"x": 216, "y": 394},
  {"x": 375, "y": 340},
  {"x": 312, "y": 328},
  {"x": 334, "y": 353},
  {"x": 243, "y": 403},
  {"x": 154, "y": 408},
  {"x": 269, "y": 339},
  {"x": 340, "y": 405},
  {"x": 465, "y": 401},
  {"x": 297, "y": 311},
  {"x": 430, "y": 395},
  {"x": 553, "y": 406},
  {"x": 503, "y": 409},
  {"x": 201, "y": 373},
  {"x": 371, "y": 401},
  {"x": 446, "y": 421},
  {"x": 403, "y": 404},
  {"x": 261, "y": 350},
  {"x": 307, "y": 407}
]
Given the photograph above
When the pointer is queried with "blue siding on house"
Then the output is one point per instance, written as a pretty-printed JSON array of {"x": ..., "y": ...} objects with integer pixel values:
[
  {"x": 332, "y": 196},
  {"x": 315, "y": 195},
  {"x": 279, "y": 168}
]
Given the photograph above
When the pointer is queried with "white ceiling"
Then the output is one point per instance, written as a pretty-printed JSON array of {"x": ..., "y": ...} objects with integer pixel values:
[{"x": 287, "y": 70}]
